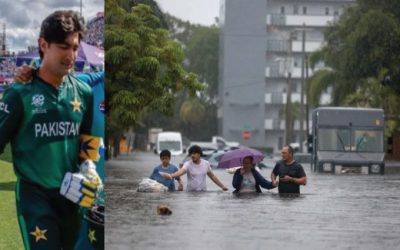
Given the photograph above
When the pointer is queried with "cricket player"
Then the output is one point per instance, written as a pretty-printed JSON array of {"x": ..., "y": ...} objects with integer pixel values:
[{"x": 43, "y": 121}]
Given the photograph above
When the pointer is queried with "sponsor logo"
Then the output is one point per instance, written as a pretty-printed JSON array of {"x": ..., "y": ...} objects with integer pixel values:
[
  {"x": 38, "y": 101},
  {"x": 54, "y": 129},
  {"x": 4, "y": 107}
]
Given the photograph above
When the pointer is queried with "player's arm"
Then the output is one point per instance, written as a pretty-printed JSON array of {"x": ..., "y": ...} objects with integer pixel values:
[
  {"x": 11, "y": 111},
  {"x": 92, "y": 78}
]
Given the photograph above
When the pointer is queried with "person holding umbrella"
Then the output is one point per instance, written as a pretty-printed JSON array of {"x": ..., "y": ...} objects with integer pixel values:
[
  {"x": 291, "y": 174},
  {"x": 248, "y": 180},
  {"x": 196, "y": 169}
]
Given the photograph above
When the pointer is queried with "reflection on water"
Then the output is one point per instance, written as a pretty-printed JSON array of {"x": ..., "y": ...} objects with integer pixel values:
[{"x": 333, "y": 212}]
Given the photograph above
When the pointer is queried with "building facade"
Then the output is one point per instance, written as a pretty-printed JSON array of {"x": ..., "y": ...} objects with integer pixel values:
[{"x": 262, "y": 46}]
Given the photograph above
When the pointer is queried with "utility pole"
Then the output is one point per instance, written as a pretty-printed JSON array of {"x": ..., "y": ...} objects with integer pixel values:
[
  {"x": 288, "y": 122},
  {"x": 81, "y": 7},
  {"x": 307, "y": 97},
  {"x": 303, "y": 45}
]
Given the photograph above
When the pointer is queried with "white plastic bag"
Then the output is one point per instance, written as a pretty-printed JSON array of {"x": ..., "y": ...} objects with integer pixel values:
[{"x": 149, "y": 185}]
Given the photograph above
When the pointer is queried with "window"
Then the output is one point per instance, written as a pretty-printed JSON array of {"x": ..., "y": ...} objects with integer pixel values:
[
  {"x": 336, "y": 12},
  {"x": 327, "y": 11},
  {"x": 304, "y": 9},
  {"x": 296, "y": 9},
  {"x": 346, "y": 139},
  {"x": 282, "y": 9}
]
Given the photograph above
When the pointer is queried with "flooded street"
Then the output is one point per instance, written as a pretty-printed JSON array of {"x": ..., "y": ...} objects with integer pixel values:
[{"x": 333, "y": 212}]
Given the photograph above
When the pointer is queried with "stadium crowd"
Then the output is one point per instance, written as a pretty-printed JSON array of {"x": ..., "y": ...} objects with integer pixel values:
[
  {"x": 93, "y": 36},
  {"x": 94, "y": 31}
]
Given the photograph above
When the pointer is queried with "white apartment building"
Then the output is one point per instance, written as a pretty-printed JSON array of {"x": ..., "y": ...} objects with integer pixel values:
[{"x": 261, "y": 51}]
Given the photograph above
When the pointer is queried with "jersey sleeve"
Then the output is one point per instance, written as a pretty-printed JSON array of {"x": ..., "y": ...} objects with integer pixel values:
[
  {"x": 11, "y": 111},
  {"x": 91, "y": 78}
]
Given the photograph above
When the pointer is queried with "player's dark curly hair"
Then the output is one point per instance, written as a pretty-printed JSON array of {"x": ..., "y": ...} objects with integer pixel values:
[{"x": 58, "y": 25}]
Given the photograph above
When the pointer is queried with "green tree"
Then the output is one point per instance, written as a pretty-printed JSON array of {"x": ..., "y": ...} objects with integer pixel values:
[
  {"x": 144, "y": 66},
  {"x": 200, "y": 45},
  {"x": 361, "y": 49}
]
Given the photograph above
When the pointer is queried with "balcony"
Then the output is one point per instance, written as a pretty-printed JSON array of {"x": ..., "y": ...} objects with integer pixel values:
[
  {"x": 298, "y": 20},
  {"x": 280, "y": 98},
  {"x": 277, "y": 124},
  {"x": 277, "y": 71},
  {"x": 282, "y": 46}
]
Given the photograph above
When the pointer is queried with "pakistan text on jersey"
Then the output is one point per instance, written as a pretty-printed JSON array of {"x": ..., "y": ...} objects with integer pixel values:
[{"x": 53, "y": 129}]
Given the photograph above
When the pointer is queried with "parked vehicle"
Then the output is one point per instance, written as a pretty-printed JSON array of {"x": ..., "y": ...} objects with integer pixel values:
[
  {"x": 171, "y": 141},
  {"x": 217, "y": 142},
  {"x": 348, "y": 140},
  {"x": 215, "y": 157}
]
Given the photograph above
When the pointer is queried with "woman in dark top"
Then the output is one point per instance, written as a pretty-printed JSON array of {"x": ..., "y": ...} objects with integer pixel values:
[{"x": 248, "y": 180}]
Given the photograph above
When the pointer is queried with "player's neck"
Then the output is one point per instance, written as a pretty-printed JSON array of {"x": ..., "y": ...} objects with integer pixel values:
[{"x": 50, "y": 78}]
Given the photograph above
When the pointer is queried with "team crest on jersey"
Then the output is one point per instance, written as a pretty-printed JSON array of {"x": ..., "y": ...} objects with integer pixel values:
[
  {"x": 76, "y": 105},
  {"x": 37, "y": 102}
]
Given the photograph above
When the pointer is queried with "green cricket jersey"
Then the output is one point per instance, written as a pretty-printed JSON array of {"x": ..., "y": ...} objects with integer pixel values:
[{"x": 43, "y": 124}]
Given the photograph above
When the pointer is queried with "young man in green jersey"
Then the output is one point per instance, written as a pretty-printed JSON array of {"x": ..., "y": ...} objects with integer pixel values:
[{"x": 43, "y": 121}]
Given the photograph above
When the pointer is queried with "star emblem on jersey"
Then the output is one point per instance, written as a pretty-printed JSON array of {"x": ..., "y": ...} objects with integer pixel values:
[
  {"x": 39, "y": 234},
  {"x": 76, "y": 105},
  {"x": 91, "y": 236}
]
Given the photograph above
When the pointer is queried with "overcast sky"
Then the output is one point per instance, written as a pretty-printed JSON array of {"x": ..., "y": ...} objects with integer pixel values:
[
  {"x": 196, "y": 11},
  {"x": 23, "y": 18}
]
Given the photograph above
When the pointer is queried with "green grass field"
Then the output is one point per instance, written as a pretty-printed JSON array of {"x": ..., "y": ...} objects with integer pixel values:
[
  {"x": 10, "y": 234},
  {"x": 6, "y": 155}
]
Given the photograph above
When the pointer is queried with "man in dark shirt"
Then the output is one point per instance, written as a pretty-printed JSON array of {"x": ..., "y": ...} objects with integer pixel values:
[{"x": 291, "y": 174}]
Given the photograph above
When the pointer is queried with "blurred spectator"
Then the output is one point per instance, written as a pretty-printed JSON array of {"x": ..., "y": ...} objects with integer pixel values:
[
  {"x": 94, "y": 31},
  {"x": 93, "y": 36}
]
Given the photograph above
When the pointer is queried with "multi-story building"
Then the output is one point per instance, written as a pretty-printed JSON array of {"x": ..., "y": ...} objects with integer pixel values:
[{"x": 262, "y": 46}]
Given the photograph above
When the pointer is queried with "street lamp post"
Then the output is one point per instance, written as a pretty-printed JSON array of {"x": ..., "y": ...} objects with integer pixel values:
[
  {"x": 303, "y": 45},
  {"x": 288, "y": 113}
]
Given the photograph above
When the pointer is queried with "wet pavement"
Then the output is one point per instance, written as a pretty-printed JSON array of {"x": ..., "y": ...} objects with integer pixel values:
[{"x": 333, "y": 212}]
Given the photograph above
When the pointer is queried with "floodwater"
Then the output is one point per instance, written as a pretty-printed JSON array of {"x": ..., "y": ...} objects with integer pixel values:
[{"x": 332, "y": 212}]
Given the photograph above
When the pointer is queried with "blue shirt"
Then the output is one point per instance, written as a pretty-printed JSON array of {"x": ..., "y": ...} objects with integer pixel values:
[
  {"x": 96, "y": 81},
  {"x": 157, "y": 177}
]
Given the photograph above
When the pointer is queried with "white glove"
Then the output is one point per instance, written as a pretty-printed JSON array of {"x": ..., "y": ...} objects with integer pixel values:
[
  {"x": 78, "y": 189},
  {"x": 88, "y": 169}
]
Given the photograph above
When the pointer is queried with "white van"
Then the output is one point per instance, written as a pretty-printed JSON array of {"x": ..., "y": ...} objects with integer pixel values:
[{"x": 171, "y": 141}]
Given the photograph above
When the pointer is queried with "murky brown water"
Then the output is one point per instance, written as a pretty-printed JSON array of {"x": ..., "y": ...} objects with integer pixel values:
[{"x": 333, "y": 212}]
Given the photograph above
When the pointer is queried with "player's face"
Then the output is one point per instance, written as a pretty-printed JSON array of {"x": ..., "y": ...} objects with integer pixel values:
[{"x": 60, "y": 57}]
